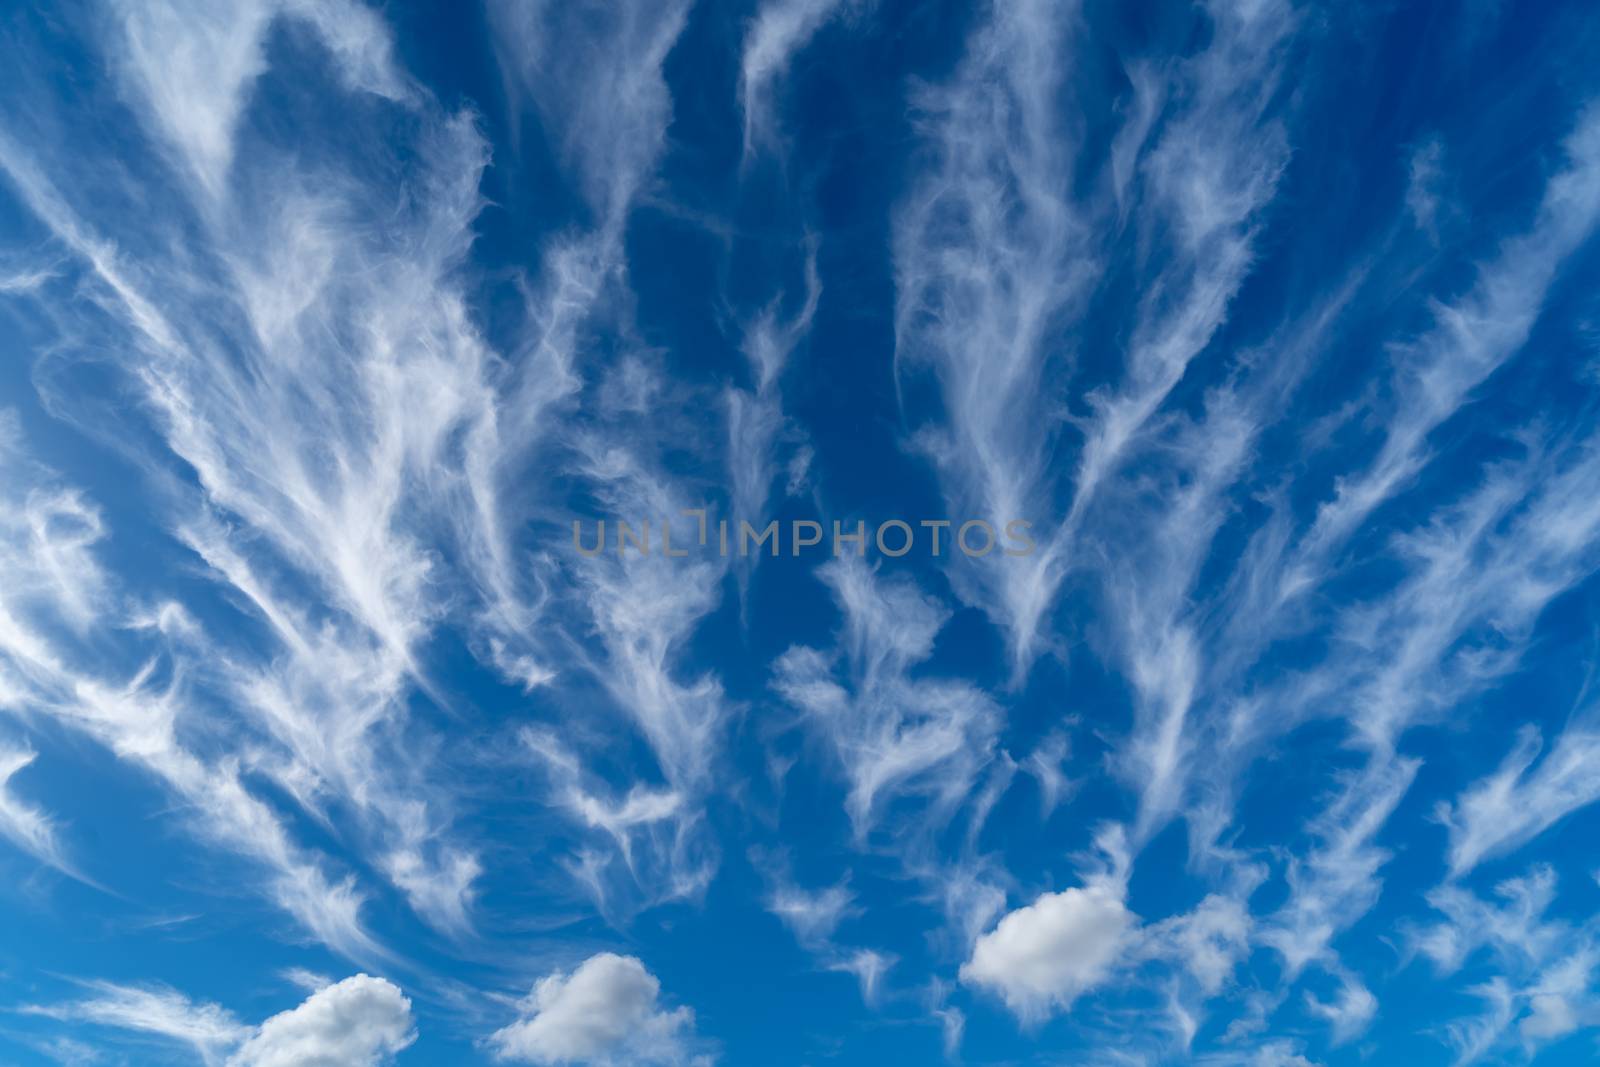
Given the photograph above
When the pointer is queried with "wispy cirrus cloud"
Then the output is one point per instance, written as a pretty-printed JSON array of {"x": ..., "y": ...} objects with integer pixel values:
[
  {"x": 893, "y": 735},
  {"x": 1210, "y": 171},
  {"x": 137, "y": 716},
  {"x": 1485, "y": 572},
  {"x": 1545, "y": 967},
  {"x": 780, "y": 29},
  {"x": 194, "y": 66},
  {"x": 324, "y": 534},
  {"x": 813, "y": 916},
  {"x": 756, "y": 421},
  {"x": 1499, "y": 813},
  {"x": 359, "y": 1022},
  {"x": 593, "y": 71},
  {"x": 332, "y": 361},
  {"x": 1349, "y": 1012},
  {"x": 207, "y": 1029},
  {"x": 1475, "y": 580},
  {"x": 605, "y": 97},
  {"x": 1335, "y": 882},
  {"x": 29, "y": 828},
  {"x": 989, "y": 253},
  {"x": 1471, "y": 338}
]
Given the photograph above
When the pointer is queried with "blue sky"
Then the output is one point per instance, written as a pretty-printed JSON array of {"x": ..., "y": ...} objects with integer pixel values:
[{"x": 1271, "y": 738}]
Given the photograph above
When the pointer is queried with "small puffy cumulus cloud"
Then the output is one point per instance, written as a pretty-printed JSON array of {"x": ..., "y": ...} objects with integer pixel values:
[
  {"x": 1040, "y": 958},
  {"x": 359, "y": 1022},
  {"x": 1043, "y": 956},
  {"x": 607, "y": 1013}
]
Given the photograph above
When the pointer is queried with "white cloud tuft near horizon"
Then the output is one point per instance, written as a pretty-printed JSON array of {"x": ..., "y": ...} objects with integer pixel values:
[
  {"x": 359, "y": 1022},
  {"x": 604, "y": 1013}
]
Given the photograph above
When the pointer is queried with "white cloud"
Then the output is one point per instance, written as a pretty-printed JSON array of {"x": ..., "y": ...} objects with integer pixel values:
[
  {"x": 315, "y": 377},
  {"x": 812, "y": 916},
  {"x": 1473, "y": 1037},
  {"x": 1044, "y": 764},
  {"x": 69, "y": 1052},
  {"x": 756, "y": 419},
  {"x": 869, "y": 967},
  {"x": 308, "y": 980},
  {"x": 1149, "y": 594},
  {"x": 18, "y": 280},
  {"x": 1545, "y": 967},
  {"x": 1349, "y": 1013},
  {"x": 25, "y": 825},
  {"x": 1471, "y": 338},
  {"x": 894, "y": 735},
  {"x": 952, "y": 1024},
  {"x": 351, "y": 460},
  {"x": 53, "y": 563},
  {"x": 1484, "y": 571},
  {"x": 439, "y": 882},
  {"x": 1480, "y": 574},
  {"x": 359, "y": 1022},
  {"x": 316, "y": 530},
  {"x": 653, "y": 832},
  {"x": 605, "y": 1012},
  {"x": 1041, "y": 957},
  {"x": 1279, "y": 1052},
  {"x": 1515, "y": 927},
  {"x": 206, "y": 1028},
  {"x": 1422, "y": 193},
  {"x": 1209, "y": 940},
  {"x": 988, "y": 252},
  {"x": 1210, "y": 172},
  {"x": 53, "y": 575},
  {"x": 643, "y": 611},
  {"x": 193, "y": 65},
  {"x": 780, "y": 29},
  {"x": 593, "y": 72},
  {"x": 1337, "y": 882},
  {"x": 1519, "y": 801},
  {"x": 1181, "y": 652}
]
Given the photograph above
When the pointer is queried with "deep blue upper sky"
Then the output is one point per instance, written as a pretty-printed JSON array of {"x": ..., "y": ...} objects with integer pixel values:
[{"x": 1273, "y": 740}]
